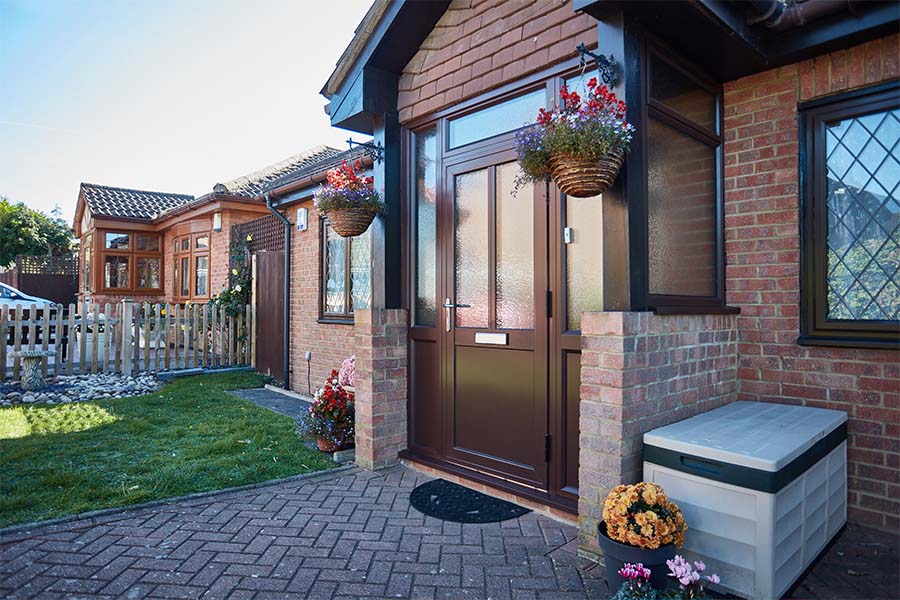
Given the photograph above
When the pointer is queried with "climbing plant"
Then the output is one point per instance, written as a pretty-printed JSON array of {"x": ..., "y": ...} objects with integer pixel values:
[{"x": 235, "y": 294}]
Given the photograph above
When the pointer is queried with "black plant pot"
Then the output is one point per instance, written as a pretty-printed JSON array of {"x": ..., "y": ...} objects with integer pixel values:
[{"x": 616, "y": 554}]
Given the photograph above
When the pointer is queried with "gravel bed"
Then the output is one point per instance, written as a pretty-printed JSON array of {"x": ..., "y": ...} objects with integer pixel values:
[{"x": 80, "y": 388}]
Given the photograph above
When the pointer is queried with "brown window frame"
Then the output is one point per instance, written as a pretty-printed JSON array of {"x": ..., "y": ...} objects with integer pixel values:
[
  {"x": 132, "y": 253},
  {"x": 815, "y": 328},
  {"x": 191, "y": 254}
]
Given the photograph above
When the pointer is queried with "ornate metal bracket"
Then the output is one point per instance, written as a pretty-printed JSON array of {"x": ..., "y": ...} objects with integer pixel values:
[
  {"x": 375, "y": 151},
  {"x": 610, "y": 70}
]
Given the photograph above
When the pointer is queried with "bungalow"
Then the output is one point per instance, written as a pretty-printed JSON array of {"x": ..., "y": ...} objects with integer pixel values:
[
  {"x": 748, "y": 249},
  {"x": 161, "y": 247}
]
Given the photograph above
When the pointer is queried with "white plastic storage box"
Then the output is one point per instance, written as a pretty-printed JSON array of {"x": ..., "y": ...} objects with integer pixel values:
[{"x": 763, "y": 488}]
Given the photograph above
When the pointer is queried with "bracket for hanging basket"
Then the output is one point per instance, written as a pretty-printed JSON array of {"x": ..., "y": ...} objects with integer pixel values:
[
  {"x": 375, "y": 151},
  {"x": 609, "y": 69}
]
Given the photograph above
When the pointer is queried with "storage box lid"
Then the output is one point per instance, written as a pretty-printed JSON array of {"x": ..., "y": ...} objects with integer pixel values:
[{"x": 757, "y": 435}]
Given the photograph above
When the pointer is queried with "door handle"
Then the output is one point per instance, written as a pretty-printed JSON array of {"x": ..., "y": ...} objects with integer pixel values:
[{"x": 448, "y": 304}]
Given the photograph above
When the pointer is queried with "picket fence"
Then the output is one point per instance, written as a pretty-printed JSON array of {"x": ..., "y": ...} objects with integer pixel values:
[{"x": 131, "y": 337}]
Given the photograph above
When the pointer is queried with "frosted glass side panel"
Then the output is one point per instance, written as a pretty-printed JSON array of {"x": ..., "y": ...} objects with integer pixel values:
[
  {"x": 584, "y": 258},
  {"x": 360, "y": 271},
  {"x": 515, "y": 251},
  {"x": 426, "y": 228},
  {"x": 335, "y": 262},
  {"x": 682, "y": 213},
  {"x": 497, "y": 119},
  {"x": 472, "y": 265}
]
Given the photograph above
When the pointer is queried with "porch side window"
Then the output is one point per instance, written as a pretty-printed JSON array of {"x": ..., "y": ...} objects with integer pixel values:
[
  {"x": 684, "y": 188},
  {"x": 346, "y": 274},
  {"x": 426, "y": 229},
  {"x": 850, "y": 249}
]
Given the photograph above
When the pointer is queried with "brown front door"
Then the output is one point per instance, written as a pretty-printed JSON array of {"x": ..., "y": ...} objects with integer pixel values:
[{"x": 493, "y": 320}]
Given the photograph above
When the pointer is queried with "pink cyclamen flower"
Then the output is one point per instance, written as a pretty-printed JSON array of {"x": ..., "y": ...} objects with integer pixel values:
[
  {"x": 700, "y": 565},
  {"x": 713, "y": 578}
]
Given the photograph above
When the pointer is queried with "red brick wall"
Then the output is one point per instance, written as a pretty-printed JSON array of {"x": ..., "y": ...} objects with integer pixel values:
[
  {"x": 762, "y": 243},
  {"x": 478, "y": 45},
  {"x": 329, "y": 343},
  {"x": 640, "y": 371}
]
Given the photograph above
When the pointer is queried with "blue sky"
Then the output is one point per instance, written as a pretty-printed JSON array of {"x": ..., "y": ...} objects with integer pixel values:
[{"x": 165, "y": 95}]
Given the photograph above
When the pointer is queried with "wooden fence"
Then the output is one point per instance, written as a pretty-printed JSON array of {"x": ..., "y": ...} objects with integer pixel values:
[{"x": 127, "y": 337}]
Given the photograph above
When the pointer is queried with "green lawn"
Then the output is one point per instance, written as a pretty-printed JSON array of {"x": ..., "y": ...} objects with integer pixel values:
[{"x": 189, "y": 436}]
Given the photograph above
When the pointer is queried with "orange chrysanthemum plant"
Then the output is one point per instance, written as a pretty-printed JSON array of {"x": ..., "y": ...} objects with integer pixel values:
[{"x": 642, "y": 515}]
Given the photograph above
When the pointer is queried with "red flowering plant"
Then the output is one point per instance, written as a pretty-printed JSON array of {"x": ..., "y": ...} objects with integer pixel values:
[
  {"x": 348, "y": 188},
  {"x": 588, "y": 128},
  {"x": 331, "y": 416}
]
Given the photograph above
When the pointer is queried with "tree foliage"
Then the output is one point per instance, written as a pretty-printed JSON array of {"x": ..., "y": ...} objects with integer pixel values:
[{"x": 27, "y": 231}]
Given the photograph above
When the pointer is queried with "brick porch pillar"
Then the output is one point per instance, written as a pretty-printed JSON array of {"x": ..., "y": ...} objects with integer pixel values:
[
  {"x": 640, "y": 371},
  {"x": 381, "y": 371}
]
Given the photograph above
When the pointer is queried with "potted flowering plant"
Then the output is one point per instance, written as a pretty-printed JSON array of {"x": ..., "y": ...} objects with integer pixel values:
[
  {"x": 330, "y": 418},
  {"x": 640, "y": 525},
  {"x": 349, "y": 200},
  {"x": 636, "y": 581},
  {"x": 581, "y": 143}
]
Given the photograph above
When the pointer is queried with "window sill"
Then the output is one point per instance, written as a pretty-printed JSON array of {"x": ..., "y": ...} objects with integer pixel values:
[
  {"x": 850, "y": 342},
  {"x": 334, "y": 321}
]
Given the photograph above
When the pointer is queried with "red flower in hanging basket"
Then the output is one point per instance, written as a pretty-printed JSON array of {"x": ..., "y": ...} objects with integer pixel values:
[
  {"x": 349, "y": 199},
  {"x": 580, "y": 143}
]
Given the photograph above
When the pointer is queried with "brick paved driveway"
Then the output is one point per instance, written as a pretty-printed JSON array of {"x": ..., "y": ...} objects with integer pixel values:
[{"x": 350, "y": 535}]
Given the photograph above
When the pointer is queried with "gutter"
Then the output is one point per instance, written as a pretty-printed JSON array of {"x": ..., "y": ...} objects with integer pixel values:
[
  {"x": 286, "y": 350},
  {"x": 777, "y": 16}
]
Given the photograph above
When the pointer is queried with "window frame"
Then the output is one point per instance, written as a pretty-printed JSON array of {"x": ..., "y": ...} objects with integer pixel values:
[
  {"x": 655, "y": 109},
  {"x": 815, "y": 328},
  {"x": 133, "y": 254},
  {"x": 190, "y": 254},
  {"x": 345, "y": 317}
]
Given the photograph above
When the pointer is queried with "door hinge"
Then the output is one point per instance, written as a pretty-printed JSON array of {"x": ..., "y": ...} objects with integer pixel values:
[
  {"x": 549, "y": 300},
  {"x": 547, "y": 443}
]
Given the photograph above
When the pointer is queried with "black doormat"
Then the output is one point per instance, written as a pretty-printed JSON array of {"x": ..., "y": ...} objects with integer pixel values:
[{"x": 451, "y": 502}]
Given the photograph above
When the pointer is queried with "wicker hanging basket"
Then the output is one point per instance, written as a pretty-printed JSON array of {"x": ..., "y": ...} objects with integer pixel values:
[
  {"x": 350, "y": 222},
  {"x": 585, "y": 178}
]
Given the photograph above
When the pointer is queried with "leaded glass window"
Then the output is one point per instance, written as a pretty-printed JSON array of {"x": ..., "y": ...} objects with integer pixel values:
[
  {"x": 346, "y": 274},
  {"x": 851, "y": 219}
]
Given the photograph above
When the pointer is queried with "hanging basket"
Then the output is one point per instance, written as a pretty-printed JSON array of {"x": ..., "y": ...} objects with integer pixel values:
[
  {"x": 585, "y": 178},
  {"x": 350, "y": 222}
]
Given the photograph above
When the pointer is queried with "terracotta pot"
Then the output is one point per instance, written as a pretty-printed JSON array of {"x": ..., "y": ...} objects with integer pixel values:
[
  {"x": 585, "y": 178},
  {"x": 326, "y": 445},
  {"x": 350, "y": 222},
  {"x": 616, "y": 554}
]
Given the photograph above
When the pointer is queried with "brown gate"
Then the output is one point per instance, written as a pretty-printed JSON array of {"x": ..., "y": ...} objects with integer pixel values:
[{"x": 270, "y": 314}]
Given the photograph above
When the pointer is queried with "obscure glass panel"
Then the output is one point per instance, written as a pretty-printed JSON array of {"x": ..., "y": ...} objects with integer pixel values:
[
  {"x": 360, "y": 272},
  {"x": 426, "y": 228},
  {"x": 147, "y": 272},
  {"x": 185, "y": 277},
  {"x": 115, "y": 270},
  {"x": 175, "y": 287},
  {"x": 515, "y": 251},
  {"x": 584, "y": 258},
  {"x": 680, "y": 93},
  {"x": 497, "y": 119},
  {"x": 682, "y": 213},
  {"x": 862, "y": 163},
  {"x": 185, "y": 244},
  {"x": 335, "y": 275},
  {"x": 472, "y": 264},
  {"x": 147, "y": 243},
  {"x": 201, "y": 279},
  {"x": 202, "y": 242},
  {"x": 117, "y": 241}
]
